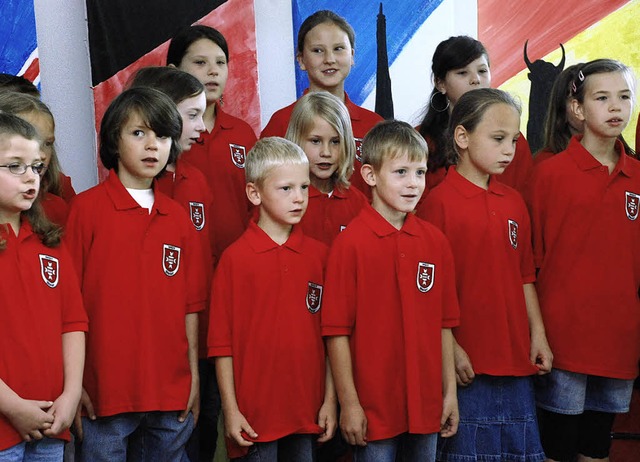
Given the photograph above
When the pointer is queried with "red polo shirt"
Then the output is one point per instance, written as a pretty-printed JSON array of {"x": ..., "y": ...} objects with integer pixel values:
[
  {"x": 140, "y": 275},
  {"x": 265, "y": 313},
  {"x": 392, "y": 292},
  {"x": 188, "y": 186},
  {"x": 362, "y": 120},
  {"x": 67, "y": 188},
  {"x": 490, "y": 235},
  {"x": 55, "y": 208},
  {"x": 39, "y": 301},
  {"x": 327, "y": 215},
  {"x": 586, "y": 241},
  {"x": 221, "y": 157}
]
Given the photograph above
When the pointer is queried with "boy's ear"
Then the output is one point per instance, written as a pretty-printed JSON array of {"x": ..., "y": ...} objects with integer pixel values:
[
  {"x": 368, "y": 174},
  {"x": 171, "y": 65},
  {"x": 577, "y": 109},
  {"x": 253, "y": 194},
  {"x": 461, "y": 137}
]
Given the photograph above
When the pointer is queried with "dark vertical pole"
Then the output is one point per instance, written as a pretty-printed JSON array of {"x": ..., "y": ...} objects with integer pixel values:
[{"x": 384, "y": 99}]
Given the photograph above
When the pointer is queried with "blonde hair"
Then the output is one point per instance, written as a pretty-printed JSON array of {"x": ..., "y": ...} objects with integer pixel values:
[
  {"x": 328, "y": 107},
  {"x": 269, "y": 153},
  {"x": 391, "y": 139}
]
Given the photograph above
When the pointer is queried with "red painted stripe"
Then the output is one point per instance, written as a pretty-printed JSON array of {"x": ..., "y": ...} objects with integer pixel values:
[
  {"x": 33, "y": 70},
  {"x": 504, "y": 26}
]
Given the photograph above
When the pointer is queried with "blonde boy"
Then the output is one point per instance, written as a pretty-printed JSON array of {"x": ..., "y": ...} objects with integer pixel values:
[
  {"x": 389, "y": 307},
  {"x": 265, "y": 318}
]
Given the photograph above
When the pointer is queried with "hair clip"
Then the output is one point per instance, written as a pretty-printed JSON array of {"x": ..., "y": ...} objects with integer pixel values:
[
  {"x": 574, "y": 89},
  {"x": 581, "y": 76}
]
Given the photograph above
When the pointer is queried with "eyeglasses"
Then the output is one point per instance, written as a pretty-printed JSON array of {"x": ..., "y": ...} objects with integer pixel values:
[{"x": 19, "y": 168}]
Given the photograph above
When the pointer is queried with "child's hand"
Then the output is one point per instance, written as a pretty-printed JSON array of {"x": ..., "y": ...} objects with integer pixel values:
[
  {"x": 353, "y": 424},
  {"x": 541, "y": 355},
  {"x": 234, "y": 425},
  {"x": 464, "y": 370},
  {"x": 63, "y": 411},
  {"x": 85, "y": 402},
  {"x": 30, "y": 418},
  {"x": 450, "y": 416},
  {"x": 328, "y": 420},
  {"x": 193, "y": 404}
]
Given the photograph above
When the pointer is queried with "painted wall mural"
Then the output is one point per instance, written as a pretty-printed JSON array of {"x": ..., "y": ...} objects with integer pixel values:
[{"x": 18, "y": 43}]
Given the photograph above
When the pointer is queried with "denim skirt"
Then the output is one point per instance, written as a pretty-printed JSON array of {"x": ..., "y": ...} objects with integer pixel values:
[{"x": 497, "y": 423}]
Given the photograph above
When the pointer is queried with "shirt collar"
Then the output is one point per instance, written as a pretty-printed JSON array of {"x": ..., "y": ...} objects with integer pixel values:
[
  {"x": 468, "y": 189},
  {"x": 122, "y": 200},
  {"x": 380, "y": 226},
  {"x": 260, "y": 241},
  {"x": 586, "y": 161},
  {"x": 337, "y": 192}
]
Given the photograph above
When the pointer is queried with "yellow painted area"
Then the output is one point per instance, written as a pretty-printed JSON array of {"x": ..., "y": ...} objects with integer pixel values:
[{"x": 617, "y": 37}]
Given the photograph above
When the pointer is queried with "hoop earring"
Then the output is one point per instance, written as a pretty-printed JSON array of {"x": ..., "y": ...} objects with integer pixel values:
[{"x": 435, "y": 108}]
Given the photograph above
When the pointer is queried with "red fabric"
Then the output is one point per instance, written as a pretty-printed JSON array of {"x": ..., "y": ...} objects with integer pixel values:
[
  {"x": 188, "y": 186},
  {"x": 373, "y": 296},
  {"x": 327, "y": 216},
  {"x": 542, "y": 156},
  {"x": 362, "y": 120},
  {"x": 588, "y": 252},
  {"x": 34, "y": 317},
  {"x": 260, "y": 316},
  {"x": 490, "y": 270},
  {"x": 55, "y": 208},
  {"x": 137, "y": 348},
  {"x": 638, "y": 136},
  {"x": 230, "y": 211},
  {"x": 68, "y": 192}
]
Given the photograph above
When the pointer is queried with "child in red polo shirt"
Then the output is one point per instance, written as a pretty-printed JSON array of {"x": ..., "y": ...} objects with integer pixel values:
[
  {"x": 140, "y": 268},
  {"x": 265, "y": 319},
  {"x": 501, "y": 340},
  {"x": 220, "y": 151},
  {"x": 188, "y": 186},
  {"x": 325, "y": 52},
  {"x": 390, "y": 304},
  {"x": 43, "y": 321},
  {"x": 320, "y": 125},
  {"x": 584, "y": 206}
]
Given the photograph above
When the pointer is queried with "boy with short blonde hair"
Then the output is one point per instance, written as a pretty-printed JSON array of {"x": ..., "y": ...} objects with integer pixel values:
[
  {"x": 265, "y": 320},
  {"x": 389, "y": 307}
]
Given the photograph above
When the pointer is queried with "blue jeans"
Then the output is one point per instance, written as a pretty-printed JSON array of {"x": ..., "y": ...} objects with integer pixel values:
[
  {"x": 44, "y": 450},
  {"x": 406, "y": 447},
  {"x": 298, "y": 448},
  {"x": 135, "y": 436}
]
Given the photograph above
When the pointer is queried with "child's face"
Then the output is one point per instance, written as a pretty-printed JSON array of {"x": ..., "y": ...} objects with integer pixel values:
[
  {"x": 17, "y": 192},
  {"x": 45, "y": 128},
  {"x": 191, "y": 110},
  {"x": 283, "y": 197},
  {"x": 397, "y": 186},
  {"x": 607, "y": 104},
  {"x": 322, "y": 147},
  {"x": 327, "y": 57},
  {"x": 489, "y": 149},
  {"x": 457, "y": 82},
  {"x": 206, "y": 61},
  {"x": 142, "y": 154}
]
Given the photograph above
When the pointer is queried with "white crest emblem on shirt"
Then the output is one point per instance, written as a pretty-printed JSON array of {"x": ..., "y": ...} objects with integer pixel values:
[
  {"x": 513, "y": 233},
  {"x": 314, "y": 297},
  {"x": 425, "y": 276},
  {"x": 170, "y": 259},
  {"x": 196, "y": 210},
  {"x": 49, "y": 270},
  {"x": 358, "y": 149},
  {"x": 632, "y": 203},
  {"x": 238, "y": 155}
]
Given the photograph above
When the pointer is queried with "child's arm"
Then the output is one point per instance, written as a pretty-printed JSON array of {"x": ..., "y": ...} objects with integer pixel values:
[
  {"x": 463, "y": 367},
  {"x": 234, "y": 422},
  {"x": 193, "y": 404},
  {"x": 450, "y": 415},
  {"x": 353, "y": 421},
  {"x": 541, "y": 355},
  {"x": 65, "y": 406},
  {"x": 28, "y": 417},
  {"x": 328, "y": 412}
]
